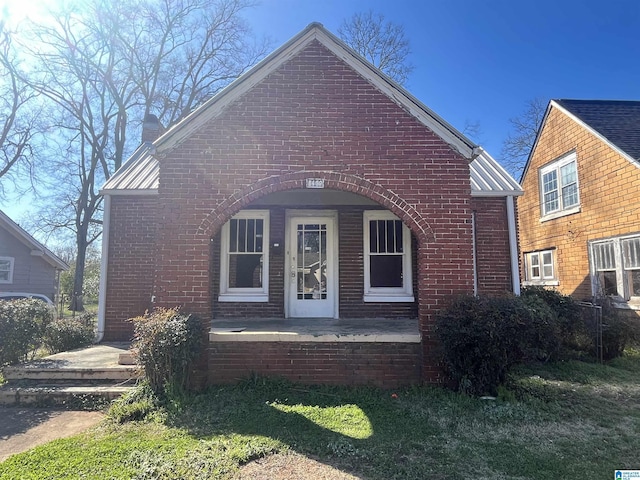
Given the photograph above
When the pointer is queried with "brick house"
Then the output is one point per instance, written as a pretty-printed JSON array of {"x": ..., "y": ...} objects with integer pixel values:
[
  {"x": 319, "y": 215},
  {"x": 579, "y": 218}
]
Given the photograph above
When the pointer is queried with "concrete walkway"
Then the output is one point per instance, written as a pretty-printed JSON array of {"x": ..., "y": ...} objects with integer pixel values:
[{"x": 22, "y": 429}]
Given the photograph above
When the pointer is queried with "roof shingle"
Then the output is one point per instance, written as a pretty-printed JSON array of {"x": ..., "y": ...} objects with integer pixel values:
[{"x": 616, "y": 120}]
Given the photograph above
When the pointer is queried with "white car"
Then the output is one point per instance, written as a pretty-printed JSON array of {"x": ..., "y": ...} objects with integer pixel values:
[{"x": 21, "y": 295}]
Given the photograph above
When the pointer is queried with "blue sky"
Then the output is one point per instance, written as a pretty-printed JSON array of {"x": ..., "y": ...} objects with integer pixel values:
[{"x": 482, "y": 61}]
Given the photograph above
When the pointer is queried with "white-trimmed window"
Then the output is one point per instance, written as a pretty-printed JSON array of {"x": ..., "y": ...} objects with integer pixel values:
[
  {"x": 559, "y": 187},
  {"x": 540, "y": 268},
  {"x": 615, "y": 267},
  {"x": 244, "y": 259},
  {"x": 387, "y": 258},
  {"x": 6, "y": 269}
]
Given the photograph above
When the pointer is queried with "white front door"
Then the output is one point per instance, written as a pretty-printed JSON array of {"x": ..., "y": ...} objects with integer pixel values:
[{"x": 312, "y": 265}]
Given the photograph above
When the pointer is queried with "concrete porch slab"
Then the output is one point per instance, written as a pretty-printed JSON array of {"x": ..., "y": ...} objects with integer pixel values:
[{"x": 379, "y": 330}]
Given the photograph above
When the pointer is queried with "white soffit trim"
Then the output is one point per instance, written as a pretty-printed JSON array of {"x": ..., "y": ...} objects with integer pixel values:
[
  {"x": 138, "y": 176},
  {"x": 315, "y": 31},
  {"x": 595, "y": 132},
  {"x": 490, "y": 179}
]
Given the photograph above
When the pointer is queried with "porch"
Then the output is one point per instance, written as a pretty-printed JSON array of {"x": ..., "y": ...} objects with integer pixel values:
[{"x": 382, "y": 352}]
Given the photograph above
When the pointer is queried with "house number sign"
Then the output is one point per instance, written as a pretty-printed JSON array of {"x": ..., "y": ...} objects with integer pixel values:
[{"x": 315, "y": 182}]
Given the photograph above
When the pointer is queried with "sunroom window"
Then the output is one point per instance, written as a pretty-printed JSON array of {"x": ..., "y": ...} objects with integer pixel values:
[
  {"x": 387, "y": 258},
  {"x": 615, "y": 267},
  {"x": 244, "y": 260}
]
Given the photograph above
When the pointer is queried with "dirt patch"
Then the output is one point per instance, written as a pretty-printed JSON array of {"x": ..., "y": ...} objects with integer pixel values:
[
  {"x": 290, "y": 466},
  {"x": 22, "y": 429}
]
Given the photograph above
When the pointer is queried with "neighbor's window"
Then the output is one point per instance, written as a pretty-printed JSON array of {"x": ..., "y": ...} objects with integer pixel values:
[
  {"x": 387, "y": 258},
  {"x": 540, "y": 268},
  {"x": 6, "y": 269},
  {"x": 244, "y": 260},
  {"x": 616, "y": 267},
  {"x": 559, "y": 186}
]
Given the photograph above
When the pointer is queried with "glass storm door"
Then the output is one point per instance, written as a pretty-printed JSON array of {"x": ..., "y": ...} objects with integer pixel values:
[{"x": 312, "y": 278}]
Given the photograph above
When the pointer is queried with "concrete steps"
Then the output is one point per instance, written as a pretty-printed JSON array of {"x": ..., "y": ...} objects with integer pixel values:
[{"x": 77, "y": 379}]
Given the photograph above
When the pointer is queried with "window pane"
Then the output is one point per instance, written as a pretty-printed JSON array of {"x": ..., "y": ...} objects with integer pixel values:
[
  {"x": 259, "y": 234},
  {"x": 604, "y": 256},
  {"x": 551, "y": 201},
  {"x": 634, "y": 282},
  {"x": 568, "y": 173},
  {"x": 386, "y": 270},
  {"x": 631, "y": 249},
  {"x": 382, "y": 236},
  {"x": 4, "y": 275},
  {"x": 233, "y": 235},
  {"x": 547, "y": 265},
  {"x": 608, "y": 283},
  {"x": 399, "y": 238},
  {"x": 534, "y": 266},
  {"x": 570, "y": 195},
  {"x": 245, "y": 271},
  {"x": 549, "y": 182},
  {"x": 373, "y": 237}
]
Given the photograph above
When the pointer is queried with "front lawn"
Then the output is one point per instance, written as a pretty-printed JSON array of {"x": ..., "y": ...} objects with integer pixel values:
[{"x": 567, "y": 420}]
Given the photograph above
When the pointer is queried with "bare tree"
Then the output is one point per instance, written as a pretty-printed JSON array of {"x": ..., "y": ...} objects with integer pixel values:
[
  {"x": 519, "y": 142},
  {"x": 18, "y": 116},
  {"x": 381, "y": 42},
  {"x": 102, "y": 69}
]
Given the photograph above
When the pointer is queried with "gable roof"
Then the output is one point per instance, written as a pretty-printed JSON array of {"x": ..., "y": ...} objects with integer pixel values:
[
  {"x": 315, "y": 31},
  {"x": 139, "y": 175},
  {"x": 37, "y": 249},
  {"x": 617, "y": 121}
]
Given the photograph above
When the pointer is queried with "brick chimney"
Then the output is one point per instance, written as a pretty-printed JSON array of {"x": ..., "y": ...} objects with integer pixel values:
[{"x": 151, "y": 128}]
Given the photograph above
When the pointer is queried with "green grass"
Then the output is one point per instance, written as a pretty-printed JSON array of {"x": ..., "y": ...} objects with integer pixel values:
[{"x": 566, "y": 420}]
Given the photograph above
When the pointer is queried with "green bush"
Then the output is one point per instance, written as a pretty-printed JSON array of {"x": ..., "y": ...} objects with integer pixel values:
[
  {"x": 571, "y": 327},
  {"x": 69, "y": 333},
  {"x": 484, "y": 337},
  {"x": 166, "y": 342},
  {"x": 22, "y": 326}
]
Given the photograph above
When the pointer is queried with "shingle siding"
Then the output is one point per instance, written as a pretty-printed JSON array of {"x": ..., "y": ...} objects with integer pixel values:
[{"x": 609, "y": 202}]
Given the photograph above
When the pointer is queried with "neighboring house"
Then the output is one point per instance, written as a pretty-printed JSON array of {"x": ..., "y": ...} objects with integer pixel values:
[
  {"x": 25, "y": 264},
  {"x": 318, "y": 214},
  {"x": 579, "y": 218}
]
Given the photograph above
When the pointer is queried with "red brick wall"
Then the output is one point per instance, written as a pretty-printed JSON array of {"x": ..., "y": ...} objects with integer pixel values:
[
  {"x": 315, "y": 117},
  {"x": 493, "y": 253},
  {"x": 351, "y": 275},
  {"x": 386, "y": 365},
  {"x": 132, "y": 236}
]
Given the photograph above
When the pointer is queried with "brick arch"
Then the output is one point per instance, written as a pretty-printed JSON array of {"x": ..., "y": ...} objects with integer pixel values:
[{"x": 333, "y": 180}]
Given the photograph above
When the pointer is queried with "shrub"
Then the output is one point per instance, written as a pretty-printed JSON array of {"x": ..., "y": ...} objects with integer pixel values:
[
  {"x": 619, "y": 329},
  {"x": 68, "y": 333},
  {"x": 166, "y": 342},
  {"x": 22, "y": 326},
  {"x": 484, "y": 337},
  {"x": 571, "y": 328}
]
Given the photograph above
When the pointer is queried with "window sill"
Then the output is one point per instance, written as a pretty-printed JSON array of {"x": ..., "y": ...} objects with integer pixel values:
[
  {"x": 389, "y": 298},
  {"x": 631, "y": 305},
  {"x": 230, "y": 297},
  {"x": 543, "y": 283},
  {"x": 562, "y": 213}
]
